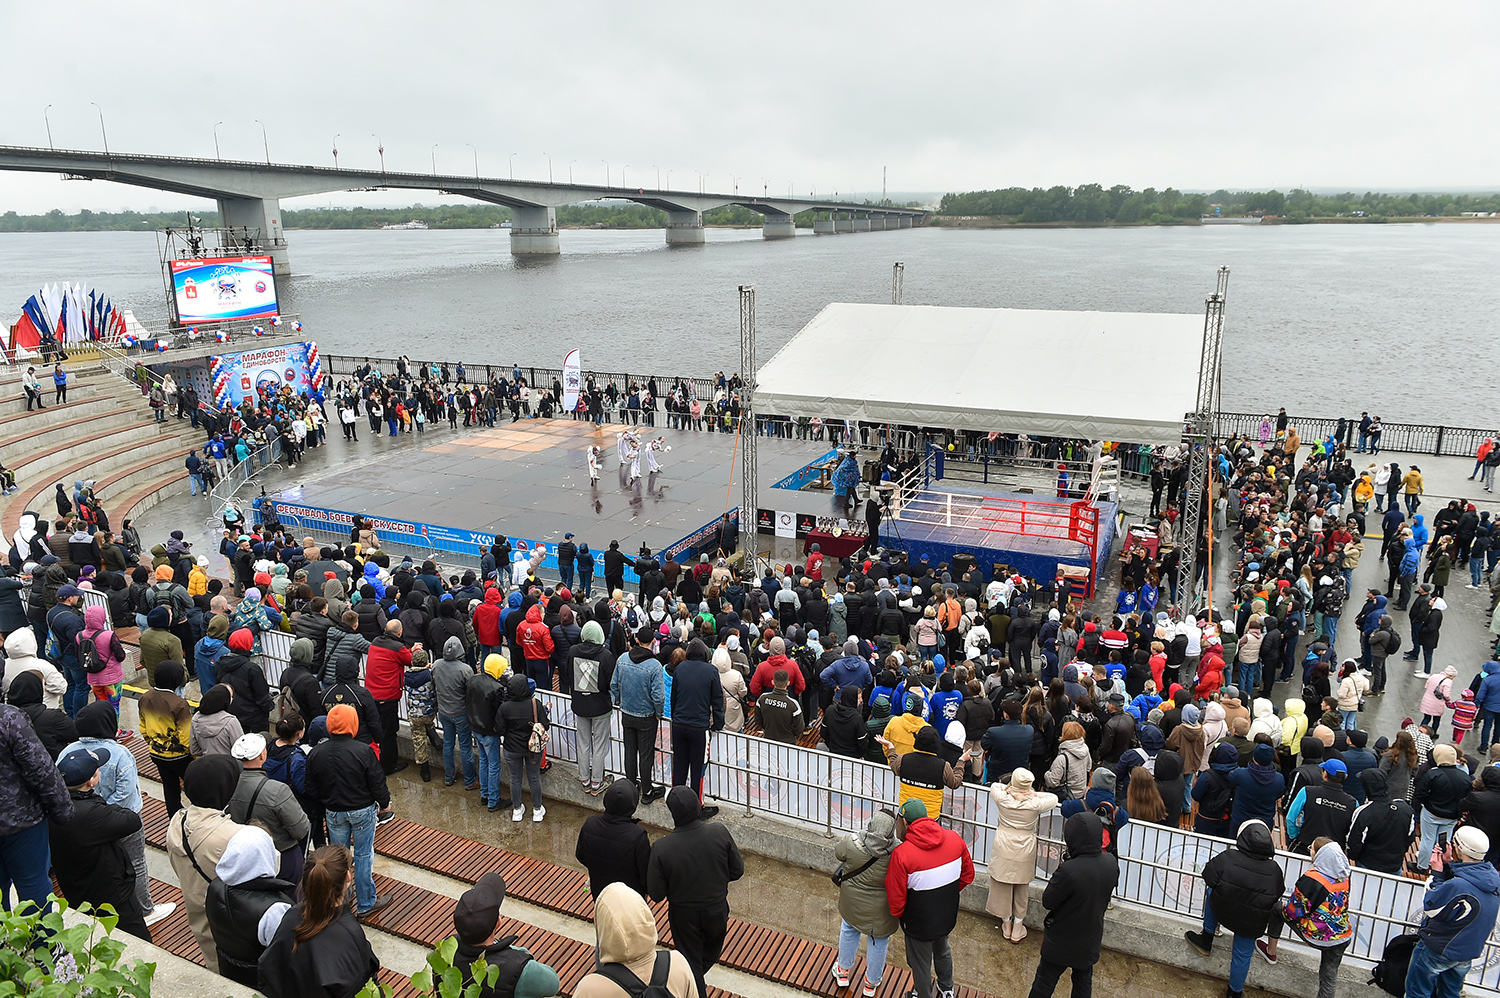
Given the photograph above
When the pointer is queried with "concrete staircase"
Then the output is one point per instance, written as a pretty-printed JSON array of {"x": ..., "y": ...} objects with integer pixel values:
[{"x": 105, "y": 432}]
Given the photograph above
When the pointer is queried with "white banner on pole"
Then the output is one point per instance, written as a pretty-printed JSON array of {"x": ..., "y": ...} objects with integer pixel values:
[{"x": 572, "y": 376}]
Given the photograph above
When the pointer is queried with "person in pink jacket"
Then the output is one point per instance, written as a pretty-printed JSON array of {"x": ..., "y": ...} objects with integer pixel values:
[
  {"x": 105, "y": 683},
  {"x": 1435, "y": 697}
]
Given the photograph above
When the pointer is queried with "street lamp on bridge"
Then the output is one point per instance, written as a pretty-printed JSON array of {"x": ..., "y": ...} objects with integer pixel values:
[
  {"x": 380, "y": 148},
  {"x": 216, "y": 139},
  {"x": 264, "y": 141},
  {"x": 48, "y": 120},
  {"x": 476, "y": 159},
  {"x": 101, "y": 127},
  {"x": 336, "y": 151},
  {"x": 434, "y": 158},
  {"x": 570, "y": 172},
  {"x": 606, "y": 171},
  {"x": 513, "y": 166},
  {"x": 549, "y": 166}
]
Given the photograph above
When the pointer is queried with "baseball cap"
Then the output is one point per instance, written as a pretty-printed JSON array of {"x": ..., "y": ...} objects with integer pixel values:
[
  {"x": 79, "y": 764},
  {"x": 1334, "y": 767},
  {"x": 247, "y": 747},
  {"x": 63, "y": 592},
  {"x": 911, "y": 810},
  {"x": 478, "y": 909}
]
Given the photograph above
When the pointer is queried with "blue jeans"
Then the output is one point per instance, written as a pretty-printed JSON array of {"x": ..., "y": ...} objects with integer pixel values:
[
  {"x": 1330, "y": 629},
  {"x": 25, "y": 857},
  {"x": 356, "y": 829},
  {"x": 1486, "y": 722},
  {"x": 1244, "y": 947},
  {"x": 456, "y": 734},
  {"x": 1188, "y": 780},
  {"x": 849, "y": 952},
  {"x": 586, "y": 583},
  {"x": 77, "y": 695},
  {"x": 1430, "y": 974},
  {"x": 1476, "y": 569},
  {"x": 1364, "y": 442},
  {"x": 489, "y": 767},
  {"x": 195, "y": 482},
  {"x": 1351, "y": 719},
  {"x": 566, "y": 576},
  {"x": 1432, "y": 827},
  {"x": 1249, "y": 675}
]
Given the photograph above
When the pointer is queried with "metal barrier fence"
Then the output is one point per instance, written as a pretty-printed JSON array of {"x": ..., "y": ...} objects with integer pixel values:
[{"x": 1411, "y": 438}]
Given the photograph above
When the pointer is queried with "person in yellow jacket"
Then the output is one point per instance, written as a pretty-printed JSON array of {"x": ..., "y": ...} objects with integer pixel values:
[
  {"x": 198, "y": 577},
  {"x": 921, "y": 773},
  {"x": 902, "y": 730},
  {"x": 1411, "y": 484},
  {"x": 1293, "y": 728},
  {"x": 1364, "y": 491}
]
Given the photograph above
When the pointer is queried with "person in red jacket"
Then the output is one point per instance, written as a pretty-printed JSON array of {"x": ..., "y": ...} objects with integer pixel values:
[
  {"x": 928, "y": 871},
  {"x": 765, "y": 673},
  {"x": 487, "y": 624},
  {"x": 385, "y": 678},
  {"x": 1210, "y": 669},
  {"x": 535, "y": 640}
]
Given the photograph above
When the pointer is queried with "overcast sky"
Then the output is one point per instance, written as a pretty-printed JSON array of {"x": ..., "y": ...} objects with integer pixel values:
[{"x": 822, "y": 95}]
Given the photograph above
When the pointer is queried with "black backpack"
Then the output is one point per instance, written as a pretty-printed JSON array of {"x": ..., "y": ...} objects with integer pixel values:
[
  {"x": 1390, "y": 973},
  {"x": 88, "y": 653},
  {"x": 635, "y": 987}
]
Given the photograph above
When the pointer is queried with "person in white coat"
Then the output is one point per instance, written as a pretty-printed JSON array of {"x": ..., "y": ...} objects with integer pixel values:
[
  {"x": 21, "y": 656},
  {"x": 1019, "y": 807}
]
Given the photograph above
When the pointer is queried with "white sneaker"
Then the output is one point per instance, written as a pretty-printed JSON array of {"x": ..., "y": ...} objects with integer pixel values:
[
  {"x": 160, "y": 912},
  {"x": 538, "y": 813},
  {"x": 1419, "y": 674},
  {"x": 517, "y": 813}
]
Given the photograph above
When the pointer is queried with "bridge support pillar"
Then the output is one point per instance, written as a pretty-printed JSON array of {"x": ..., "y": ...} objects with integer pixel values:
[
  {"x": 824, "y": 226},
  {"x": 878, "y": 223},
  {"x": 684, "y": 228},
  {"x": 905, "y": 221},
  {"x": 779, "y": 227},
  {"x": 533, "y": 231},
  {"x": 263, "y": 215},
  {"x": 862, "y": 224},
  {"x": 843, "y": 225}
]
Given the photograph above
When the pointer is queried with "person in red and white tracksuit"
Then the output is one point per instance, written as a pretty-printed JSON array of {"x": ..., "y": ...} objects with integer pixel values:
[{"x": 928, "y": 870}]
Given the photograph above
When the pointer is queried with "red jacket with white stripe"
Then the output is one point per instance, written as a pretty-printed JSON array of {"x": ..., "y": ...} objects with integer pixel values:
[{"x": 928, "y": 870}]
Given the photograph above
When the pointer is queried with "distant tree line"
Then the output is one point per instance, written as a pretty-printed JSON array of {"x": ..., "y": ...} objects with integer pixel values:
[{"x": 1092, "y": 203}]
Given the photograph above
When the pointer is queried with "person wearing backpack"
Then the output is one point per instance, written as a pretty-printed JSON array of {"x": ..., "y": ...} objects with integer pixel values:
[
  {"x": 102, "y": 659},
  {"x": 522, "y": 722},
  {"x": 592, "y": 668},
  {"x": 64, "y": 624},
  {"x": 630, "y": 966},
  {"x": 476, "y": 919}
]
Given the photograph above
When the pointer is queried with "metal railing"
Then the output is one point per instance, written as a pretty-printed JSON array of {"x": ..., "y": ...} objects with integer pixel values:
[
  {"x": 226, "y": 488},
  {"x": 1410, "y": 438},
  {"x": 134, "y": 370}
]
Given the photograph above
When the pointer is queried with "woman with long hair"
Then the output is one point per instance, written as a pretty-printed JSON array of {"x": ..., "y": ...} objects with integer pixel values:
[
  {"x": 1399, "y": 764},
  {"x": 1039, "y": 717},
  {"x": 320, "y": 949},
  {"x": 1143, "y": 800}
]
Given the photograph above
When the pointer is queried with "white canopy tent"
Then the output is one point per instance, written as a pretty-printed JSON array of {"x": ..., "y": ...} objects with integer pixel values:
[{"x": 1127, "y": 376}]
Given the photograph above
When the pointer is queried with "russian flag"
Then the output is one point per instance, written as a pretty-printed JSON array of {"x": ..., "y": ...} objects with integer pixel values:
[{"x": 38, "y": 316}]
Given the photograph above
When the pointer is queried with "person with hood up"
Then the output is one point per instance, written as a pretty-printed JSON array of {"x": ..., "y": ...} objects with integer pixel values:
[
  {"x": 922, "y": 773},
  {"x": 1019, "y": 807},
  {"x": 245, "y": 903},
  {"x": 158, "y": 643},
  {"x": 628, "y": 957},
  {"x": 1257, "y": 788},
  {"x": 864, "y": 908},
  {"x": 298, "y": 681},
  {"x": 1294, "y": 728},
  {"x": 1244, "y": 886},
  {"x": 927, "y": 873},
  {"x": 1077, "y": 894},
  {"x": 1263, "y": 721},
  {"x": 347, "y": 689},
  {"x": 1172, "y": 786},
  {"x": 614, "y": 847},
  {"x": 214, "y": 728},
  {"x": 252, "y": 694},
  {"x": 197, "y": 837},
  {"x": 691, "y": 869},
  {"x": 450, "y": 679},
  {"x": 514, "y": 723},
  {"x": 344, "y": 775},
  {"x": 210, "y": 648},
  {"x": 21, "y": 658},
  {"x": 765, "y": 674},
  {"x": 107, "y": 652},
  {"x": 166, "y": 725},
  {"x": 254, "y": 616},
  {"x": 1382, "y": 829},
  {"x": 1190, "y": 741},
  {"x": 1318, "y": 912},
  {"x": 1214, "y": 792},
  {"x": 591, "y": 667},
  {"x": 319, "y": 948},
  {"x": 735, "y": 691},
  {"x": 534, "y": 640},
  {"x": 875, "y": 725},
  {"x": 476, "y": 917},
  {"x": 843, "y": 730},
  {"x": 848, "y": 670},
  {"x": 1458, "y": 915}
]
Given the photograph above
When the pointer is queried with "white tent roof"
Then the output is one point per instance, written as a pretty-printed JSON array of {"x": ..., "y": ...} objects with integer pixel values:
[{"x": 1128, "y": 376}]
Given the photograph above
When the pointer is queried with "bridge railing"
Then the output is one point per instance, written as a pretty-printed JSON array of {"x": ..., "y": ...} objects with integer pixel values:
[{"x": 1406, "y": 438}]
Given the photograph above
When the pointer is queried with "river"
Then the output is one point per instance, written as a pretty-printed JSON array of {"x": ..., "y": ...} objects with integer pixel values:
[{"x": 1325, "y": 319}]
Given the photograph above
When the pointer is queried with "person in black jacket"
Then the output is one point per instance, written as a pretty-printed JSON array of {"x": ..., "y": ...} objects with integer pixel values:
[
  {"x": 697, "y": 709},
  {"x": 1382, "y": 829},
  {"x": 93, "y": 865},
  {"x": 513, "y": 722},
  {"x": 1438, "y": 796},
  {"x": 691, "y": 869},
  {"x": 613, "y": 846},
  {"x": 476, "y": 917},
  {"x": 334, "y": 960},
  {"x": 614, "y": 568},
  {"x": 246, "y": 902},
  {"x": 252, "y": 695},
  {"x": 1244, "y": 885},
  {"x": 1075, "y": 900},
  {"x": 347, "y": 689},
  {"x": 844, "y": 731},
  {"x": 53, "y": 727},
  {"x": 313, "y": 623},
  {"x": 1482, "y": 808},
  {"x": 345, "y": 776}
]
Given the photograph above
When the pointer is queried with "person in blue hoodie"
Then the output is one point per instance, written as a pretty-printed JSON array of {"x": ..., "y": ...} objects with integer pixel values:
[
  {"x": 372, "y": 576},
  {"x": 1487, "y": 699},
  {"x": 1151, "y": 741},
  {"x": 850, "y": 670},
  {"x": 1407, "y": 573},
  {"x": 1071, "y": 686},
  {"x": 1142, "y": 706},
  {"x": 1257, "y": 788},
  {"x": 1369, "y": 622},
  {"x": 1214, "y": 792},
  {"x": 942, "y": 706},
  {"x": 1458, "y": 914}
]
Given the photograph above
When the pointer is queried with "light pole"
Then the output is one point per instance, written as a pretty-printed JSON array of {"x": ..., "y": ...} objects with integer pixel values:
[
  {"x": 380, "y": 148},
  {"x": 669, "y": 180},
  {"x": 570, "y": 173},
  {"x": 476, "y": 159},
  {"x": 434, "y": 158},
  {"x": 48, "y": 120},
  {"x": 513, "y": 166},
  {"x": 622, "y": 175},
  {"x": 735, "y": 183},
  {"x": 336, "y": 150},
  {"x": 264, "y": 141},
  {"x": 216, "y": 140},
  {"x": 549, "y": 166},
  {"x": 700, "y": 180},
  {"x": 101, "y": 127},
  {"x": 606, "y": 171},
  {"x": 765, "y": 188}
]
